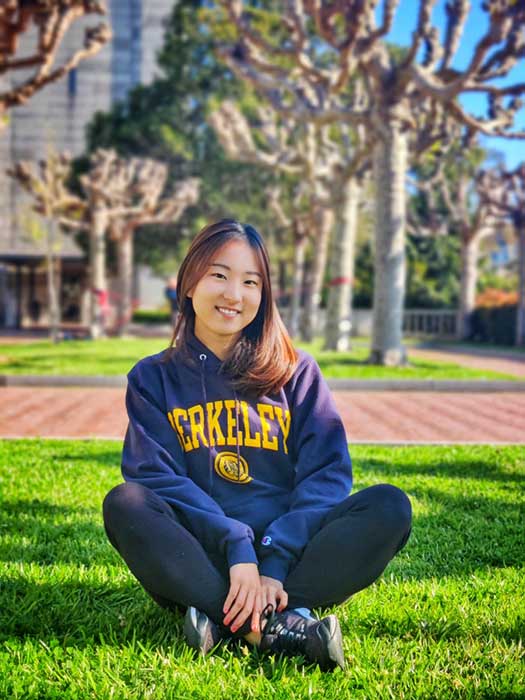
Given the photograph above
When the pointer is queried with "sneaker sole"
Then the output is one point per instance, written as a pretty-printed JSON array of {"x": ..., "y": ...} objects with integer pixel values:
[
  {"x": 191, "y": 634},
  {"x": 202, "y": 640},
  {"x": 334, "y": 646}
]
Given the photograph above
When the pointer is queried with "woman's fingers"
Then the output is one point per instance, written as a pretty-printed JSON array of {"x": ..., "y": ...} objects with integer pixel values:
[
  {"x": 256, "y": 613},
  {"x": 232, "y": 594},
  {"x": 236, "y": 605},
  {"x": 244, "y": 612},
  {"x": 282, "y": 597}
]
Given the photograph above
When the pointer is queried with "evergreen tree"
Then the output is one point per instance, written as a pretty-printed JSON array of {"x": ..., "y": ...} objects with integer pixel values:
[{"x": 167, "y": 121}]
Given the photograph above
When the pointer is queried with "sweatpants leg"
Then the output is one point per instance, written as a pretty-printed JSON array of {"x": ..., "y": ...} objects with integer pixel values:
[
  {"x": 358, "y": 538},
  {"x": 162, "y": 554}
]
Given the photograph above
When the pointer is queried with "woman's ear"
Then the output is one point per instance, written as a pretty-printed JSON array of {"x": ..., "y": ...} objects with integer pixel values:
[{"x": 189, "y": 295}]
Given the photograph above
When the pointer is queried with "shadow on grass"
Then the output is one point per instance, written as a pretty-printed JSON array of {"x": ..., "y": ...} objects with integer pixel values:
[
  {"x": 83, "y": 614},
  {"x": 45, "y": 533},
  {"x": 459, "y": 468}
]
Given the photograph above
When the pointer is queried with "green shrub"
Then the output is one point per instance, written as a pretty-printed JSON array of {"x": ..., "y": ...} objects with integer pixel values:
[
  {"x": 151, "y": 316},
  {"x": 494, "y": 325}
]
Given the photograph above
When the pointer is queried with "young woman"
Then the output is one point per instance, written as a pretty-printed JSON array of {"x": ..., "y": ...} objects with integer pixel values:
[{"x": 236, "y": 500}]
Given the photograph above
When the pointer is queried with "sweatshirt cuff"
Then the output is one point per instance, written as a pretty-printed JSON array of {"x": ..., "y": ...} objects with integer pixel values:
[
  {"x": 275, "y": 567},
  {"x": 241, "y": 552}
]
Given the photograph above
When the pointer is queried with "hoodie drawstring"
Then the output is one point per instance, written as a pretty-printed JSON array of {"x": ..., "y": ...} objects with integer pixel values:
[
  {"x": 203, "y": 358},
  {"x": 237, "y": 432}
]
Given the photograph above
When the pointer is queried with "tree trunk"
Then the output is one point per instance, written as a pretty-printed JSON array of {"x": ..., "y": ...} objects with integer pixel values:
[
  {"x": 125, "y": 274},
  {"x": 323, "y": 222},
  {"x": 520, "y": 308},
  {"x": 469, "y": 278},
  {"x": 297, "y": 284},
  {"x": 339, "y": 310},
  {"x": 52, "y": 287},
  {"x": 390, "y": 164},
  {"x": 99, "y": 288}
]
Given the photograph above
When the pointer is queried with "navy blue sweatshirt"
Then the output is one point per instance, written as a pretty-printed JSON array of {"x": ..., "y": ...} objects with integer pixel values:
[{"x": 251, "y": 477}]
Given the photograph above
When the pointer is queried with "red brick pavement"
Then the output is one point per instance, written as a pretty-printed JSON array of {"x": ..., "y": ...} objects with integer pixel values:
[{"x": 375, "y": 417}]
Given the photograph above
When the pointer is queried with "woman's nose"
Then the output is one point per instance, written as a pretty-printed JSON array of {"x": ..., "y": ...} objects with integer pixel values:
[{"x": 232, "y": 291}]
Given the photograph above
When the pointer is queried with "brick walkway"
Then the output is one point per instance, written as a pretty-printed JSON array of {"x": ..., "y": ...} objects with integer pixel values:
[{"x": 390, "y": 417}]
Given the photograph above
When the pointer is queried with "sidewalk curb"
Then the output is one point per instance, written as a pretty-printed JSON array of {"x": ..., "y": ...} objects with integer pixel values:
[{"x": 444, "y": 385}]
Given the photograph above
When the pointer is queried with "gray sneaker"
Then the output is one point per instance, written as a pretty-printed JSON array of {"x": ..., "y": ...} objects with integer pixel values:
[
  {"x": 319, "y": 641},
  {"x": 201, "y": 633}
]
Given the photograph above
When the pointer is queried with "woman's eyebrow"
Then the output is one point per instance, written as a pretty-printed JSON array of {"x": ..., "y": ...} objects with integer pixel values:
[{"x": 226, "y": 267}]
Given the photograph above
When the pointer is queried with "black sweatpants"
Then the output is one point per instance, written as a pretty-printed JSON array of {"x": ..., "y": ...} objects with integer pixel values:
[{"x": 358, "y": 538}]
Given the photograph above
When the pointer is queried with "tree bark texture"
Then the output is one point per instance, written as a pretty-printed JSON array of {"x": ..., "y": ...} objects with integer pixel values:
[
  {"x": 53, "y": 283},
  {"x": 390, "y": 164},
  {"x": 99, "y": 287},
  {"x": 125, "y": 275},
  {"x": 342, "y": 261},
  {"x": 323, "y": 220},
  {"x": 297, "y": 285},
  {"x": 469, "y": 278}
]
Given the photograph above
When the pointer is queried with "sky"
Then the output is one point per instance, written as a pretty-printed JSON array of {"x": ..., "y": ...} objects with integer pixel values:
[{"x": 405, "y": 23}]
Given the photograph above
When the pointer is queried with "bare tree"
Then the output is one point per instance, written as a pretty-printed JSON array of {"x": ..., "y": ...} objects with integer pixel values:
[
  {"x": 141, "y": 205},
  {"x": 504, "y": 192},
  {"x": 46, "y": 184},
  {"x": 52, "y": 19},
  {"x": 455, "y": 201},
  {"x": 122, "y": 195},
  {"x": 324, "y": 169},
  {"x": 407, "y": 94},
  {"x": 298, "y": 222},
  {"x": 290, "y": 149}
]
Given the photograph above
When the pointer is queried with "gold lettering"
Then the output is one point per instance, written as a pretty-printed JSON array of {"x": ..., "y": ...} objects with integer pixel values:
[
  {"x": 266, "y": 410},
  {"x": 185, "y": 440},
  {"x": 231, "y": 423},
  {"x": 249, "y": 441},
  {"x": 213, "y": 423},
  {"x": 284, "y": 422},
  {"x": 196, "y": 416}
]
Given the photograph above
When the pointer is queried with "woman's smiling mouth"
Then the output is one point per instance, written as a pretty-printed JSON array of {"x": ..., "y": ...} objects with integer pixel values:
[{"x": 227, "y": 312}]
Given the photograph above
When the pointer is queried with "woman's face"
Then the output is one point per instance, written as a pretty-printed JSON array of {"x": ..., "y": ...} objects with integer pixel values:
[{"x": 226, "y": 299}]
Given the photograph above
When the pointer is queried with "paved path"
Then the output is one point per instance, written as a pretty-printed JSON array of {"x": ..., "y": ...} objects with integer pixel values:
[
  {"x": 391, "y": 417},
  {"x": 498, "y": 362}
]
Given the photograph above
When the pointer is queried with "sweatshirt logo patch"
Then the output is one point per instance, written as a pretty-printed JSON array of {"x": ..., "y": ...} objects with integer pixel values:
[{"x": 231, "y": 469}]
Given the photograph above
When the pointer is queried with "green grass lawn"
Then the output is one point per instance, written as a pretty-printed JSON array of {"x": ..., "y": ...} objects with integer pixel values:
[
  {"x": 115, "y": 356},
  {"x": 446, "y": 620}
]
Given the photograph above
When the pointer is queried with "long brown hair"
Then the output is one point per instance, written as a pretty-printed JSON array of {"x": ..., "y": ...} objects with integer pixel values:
[{"x": 263, "y": 359}]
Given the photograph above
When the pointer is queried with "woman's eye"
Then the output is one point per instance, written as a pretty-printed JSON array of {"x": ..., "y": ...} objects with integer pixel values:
[
  {"x": 219, "y": 275},
  {"x": 252, "y": 283}
]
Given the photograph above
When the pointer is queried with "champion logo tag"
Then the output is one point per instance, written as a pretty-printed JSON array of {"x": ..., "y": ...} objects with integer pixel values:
[{"x": 266, "y": 540}]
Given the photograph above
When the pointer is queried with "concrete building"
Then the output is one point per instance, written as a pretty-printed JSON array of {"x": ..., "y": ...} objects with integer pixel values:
[{"x": 56, "y": 118}]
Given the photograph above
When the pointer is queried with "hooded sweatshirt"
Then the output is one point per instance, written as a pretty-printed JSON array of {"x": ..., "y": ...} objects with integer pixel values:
[{"x": 250, "y": 477}]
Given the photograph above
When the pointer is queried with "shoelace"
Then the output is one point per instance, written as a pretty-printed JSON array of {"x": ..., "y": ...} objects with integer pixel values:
[{"x": 290, "y": 637}]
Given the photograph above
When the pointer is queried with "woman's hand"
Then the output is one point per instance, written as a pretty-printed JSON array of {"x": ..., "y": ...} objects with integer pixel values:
[
  {"x": 272, "y": 591},
  {"x": 244, "y": 597}
]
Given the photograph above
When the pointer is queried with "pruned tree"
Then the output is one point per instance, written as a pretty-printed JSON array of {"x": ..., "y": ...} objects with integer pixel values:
[
  {"x": 408, "y": 92},
  {"x": 504, "y": 192},
  {"x": 296, "y": 221},
  {"x": 46, "y": 184},
  {"x": 120, "y": 196},
  {"x": 455, "y": 204},
  {"x": 51, "y": 20},
  {"x": 325, "y": 171},
  {"x": 141, "y": 204},
  {"x": 284, "y": 147}
]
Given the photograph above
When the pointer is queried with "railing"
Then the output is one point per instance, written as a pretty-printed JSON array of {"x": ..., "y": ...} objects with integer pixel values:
[{"x": 437, "y": 322}]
